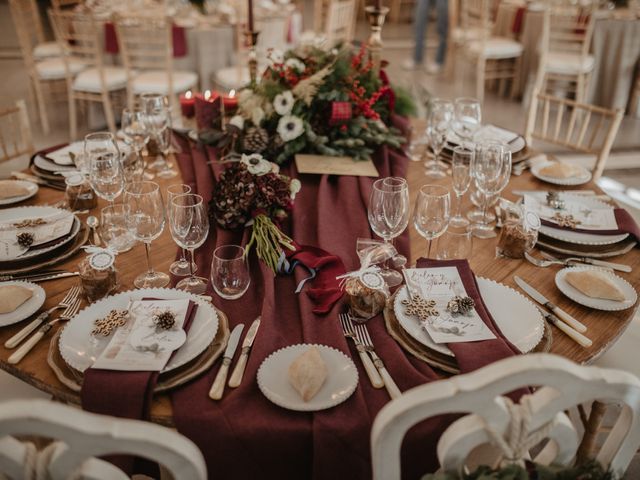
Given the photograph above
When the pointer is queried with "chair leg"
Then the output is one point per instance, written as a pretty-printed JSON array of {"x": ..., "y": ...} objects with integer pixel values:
[
  {"x": 42, "y": 109},
  {"x": 580, "y": 88},
  {"x": 73, "y": 118},
  {"x": 108, "y": 112},
  {"x": 515, "y": 82},
  {"x": 480, "y": 70}
]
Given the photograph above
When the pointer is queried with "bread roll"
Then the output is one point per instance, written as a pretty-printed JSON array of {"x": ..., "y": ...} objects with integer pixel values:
[
  {"x": 12, "y": 296},
  {"x": 560, "y": 170},
  {"x": 308, "y": 373},
  {"x": 595, "y": 284}
]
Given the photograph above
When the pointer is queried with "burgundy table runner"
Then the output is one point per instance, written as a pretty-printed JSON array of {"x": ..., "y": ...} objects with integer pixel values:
[
  {"x": 626, "y": 224},
  {"x": 177, "y": 33},
  {"x": 245, "y": 436}
]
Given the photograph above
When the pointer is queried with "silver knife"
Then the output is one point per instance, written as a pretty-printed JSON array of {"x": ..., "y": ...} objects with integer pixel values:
[
  {"x": 570, "y": 332},
  {"x": 217, "y": 389},
  {"x": 542, "y": 300},
  {"x": 38, "y": 278},
  {"x": 589, "y": 261},
  {"x": 39, "y": 181},
  {"x": 236, "y": 376}
]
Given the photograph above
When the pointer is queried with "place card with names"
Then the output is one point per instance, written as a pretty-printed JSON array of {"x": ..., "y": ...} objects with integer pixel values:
[
  {"x": 327, "y": 165},
  {"x": 588, "y": 216}
]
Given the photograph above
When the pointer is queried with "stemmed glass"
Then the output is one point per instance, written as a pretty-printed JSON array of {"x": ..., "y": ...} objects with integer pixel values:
[
  {"x": 181, "y": 267},
  {"x": 460, "y": 179},
  {"x": 146, "y": 221},
  {"x": 104, "y": 165},
  {"x": 136, "y": 132},
  {"x": 189, "y": 228},
  {"x": 438, "y": 124},
  {"x": 157, "y": 117},
  {"x": 491, "y": 170},
  {"x": 467, "y": 118},
  {"x": 388, "y": 214},
  {"x": 431, "y": 213}
]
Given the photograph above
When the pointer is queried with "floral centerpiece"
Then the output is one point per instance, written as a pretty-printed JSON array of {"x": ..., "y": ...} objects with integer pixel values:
[
  {"x": 252, "y": 192},
  {"x": 312, "y": 100}
]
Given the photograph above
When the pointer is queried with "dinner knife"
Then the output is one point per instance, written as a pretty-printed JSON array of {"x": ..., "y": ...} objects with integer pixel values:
[
  {"x": 238, "y": 371},
  {"x": 39, "y": 181},
  {"x": 41, "y": 277},
  {"x": 570, "y": 332},
  {"x": 589, "y": 261},
  {"x": 542, "y": 300},
  {"x": 217, "y": 388}
]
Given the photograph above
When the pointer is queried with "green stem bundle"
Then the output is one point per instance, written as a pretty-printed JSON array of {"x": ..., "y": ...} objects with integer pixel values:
[{"x": 269, "y": 240}]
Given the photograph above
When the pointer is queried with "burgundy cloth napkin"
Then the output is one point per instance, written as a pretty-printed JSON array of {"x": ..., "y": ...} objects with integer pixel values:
[
  {"x": 626, "y": 224},
  {"x": 178, "y": 34}
]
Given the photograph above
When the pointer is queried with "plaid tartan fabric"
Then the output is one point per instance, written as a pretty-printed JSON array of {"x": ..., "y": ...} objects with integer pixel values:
[{"x": 340, "y": 112}]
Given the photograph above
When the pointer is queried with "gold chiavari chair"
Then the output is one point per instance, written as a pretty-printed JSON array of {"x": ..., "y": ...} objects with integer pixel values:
[
  {"x": 146, "y": 48},
  {"x": 15, "y": 133},
  {"x": 564, "y": 51},
  {"x": 577, "y": 126},
  {"x": 79, "y": 37},
  {"x": 45, "y": 74}
]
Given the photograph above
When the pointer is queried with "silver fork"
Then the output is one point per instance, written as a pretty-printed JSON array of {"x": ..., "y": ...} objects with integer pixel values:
[
  {"x": 363, "y": 335},
  {"x": 26, "y": 347},
  {"x": 541, "y": 263},
  {"x": 589, "y": 261},
  {"x": 369, "y": 367},
  {"x": 68, "y": 300}
]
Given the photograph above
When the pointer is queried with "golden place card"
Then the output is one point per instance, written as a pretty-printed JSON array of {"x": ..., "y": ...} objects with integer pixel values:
[{"x": 326, "y": 165}]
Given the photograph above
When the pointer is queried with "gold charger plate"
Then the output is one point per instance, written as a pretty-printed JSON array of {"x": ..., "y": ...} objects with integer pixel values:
[{"x": 72, "y": 378}]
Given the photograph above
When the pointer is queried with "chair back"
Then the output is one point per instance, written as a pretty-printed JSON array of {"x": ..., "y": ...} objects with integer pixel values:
[
  {"x": 60, "y": 5},
  {"x": 15, "y": 132},
  {"x": 79, "y": 38},
  {"x": 580, "y": 127},
  {"x": 567, "y": 29},
  {"x": 475, "y": 16},
  {"x": 28, "y": 25},
  {"x": 340, "y": 21},
  {"x": 320, "y": 14},
  {"x": 79, "y": 437},
  {"x": 492, "y": 420}
]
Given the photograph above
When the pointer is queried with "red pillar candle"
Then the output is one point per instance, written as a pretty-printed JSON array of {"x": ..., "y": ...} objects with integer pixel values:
[
  {"x": 207, "y": 110},
  {"x": 230, "y": 103},
  {"x": 187, "y": 104}
]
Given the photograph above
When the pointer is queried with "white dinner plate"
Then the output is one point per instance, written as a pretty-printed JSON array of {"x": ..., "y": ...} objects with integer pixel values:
[
  {"x": 523, "y": 330},
  {"x": 515, "y": 142},
  {"x": 577, "y": 296},
  {"x": 28, "y": 308},
  {"x": 21, "y": 213},
  {"x": 33, "y": 189},
  {"x": 51, "y": 167},
  {"x": 581, "y": 179},
  {"x": 581, "y": 238},
  {"x": 273, "y": 378},
  {"x": 80, "y": 349}
]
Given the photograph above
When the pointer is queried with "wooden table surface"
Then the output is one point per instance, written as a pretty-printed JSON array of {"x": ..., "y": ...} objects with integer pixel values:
[{"x": 603, "y": 327}]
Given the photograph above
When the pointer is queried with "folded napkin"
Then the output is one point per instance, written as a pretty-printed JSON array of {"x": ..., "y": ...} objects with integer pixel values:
[
  {"x": 11, "y": 189},
  {"x": 178, "y": 34},
  {"x": 626, "y": 224},
  {"x": 12, "y": 296},
  {"x": 473, "y": 355}
]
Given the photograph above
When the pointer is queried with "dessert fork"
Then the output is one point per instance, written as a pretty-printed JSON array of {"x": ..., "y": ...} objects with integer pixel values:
[
  {"x": 66, "y": 302},
  {"x": 363, "y": 335},
  {"x": 26, "y": 347},
  {"x": 369, "y": 367}
]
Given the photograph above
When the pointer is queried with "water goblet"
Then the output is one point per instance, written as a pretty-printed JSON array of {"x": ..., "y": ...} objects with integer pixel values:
[
  {"x": 181, "y": 267},
  {"x": 431, "y": 213},
  {"x": 230, "y": 272}
]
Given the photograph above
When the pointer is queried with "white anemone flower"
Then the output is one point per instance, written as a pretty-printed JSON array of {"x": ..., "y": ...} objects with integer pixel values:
[
  {"x": 283, "y": 103},
  {"x": 290, "y": 127},
  {"x": 275, "y": 56},
  {"x": 256, "y": 164},
  {"x": 295, "y": 64},
  {"x": 237, "y": 121}
]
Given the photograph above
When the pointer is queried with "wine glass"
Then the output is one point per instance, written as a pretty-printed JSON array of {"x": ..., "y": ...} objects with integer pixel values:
[
  {"x": 136, "y": 132},
  {"x": 229, "y": 271},
  {"x": 460, "y": 179},
  {"x": 157, "y": 117},
  {"x": 438, "y": 124},
  {"x": 454, "y": 245},
  {"x": 164, "y": 144},
  {"x": 104, "y": 165},
  {"x": 388, "y": 214},
  {"x": 132, "y": 164},
  {"x": 189, "y": 228},
  {"x": 467, "y": 118},
  {"x": 146, "y": 222},
  {"x": 431, "y": 213},
  {"x": 181, "y": 267}
]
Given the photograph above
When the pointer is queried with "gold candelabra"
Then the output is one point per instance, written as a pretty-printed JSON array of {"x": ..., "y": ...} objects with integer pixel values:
[
  {"x": 376, "y": 15},
  {"x": 251, "y": 40}
]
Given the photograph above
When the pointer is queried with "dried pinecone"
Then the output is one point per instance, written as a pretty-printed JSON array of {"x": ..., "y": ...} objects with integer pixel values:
[
  {"x": 256, "y": 140},
  {"x": 462, "y": 305},
  {"x": 25, "y": 239},
  {"x": 233, "y": 197},
  {"x": 164, "y": 320}
]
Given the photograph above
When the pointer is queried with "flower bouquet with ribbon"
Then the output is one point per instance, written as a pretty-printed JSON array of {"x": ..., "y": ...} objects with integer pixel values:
[{"x": 252, "y": 193}]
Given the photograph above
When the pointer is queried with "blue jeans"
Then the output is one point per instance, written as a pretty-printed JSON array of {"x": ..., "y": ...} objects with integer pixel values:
[{"x": 442, "y": 24}]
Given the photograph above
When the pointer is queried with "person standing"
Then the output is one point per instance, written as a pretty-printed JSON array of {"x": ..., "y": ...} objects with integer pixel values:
[{"x": 420, "y": 26}]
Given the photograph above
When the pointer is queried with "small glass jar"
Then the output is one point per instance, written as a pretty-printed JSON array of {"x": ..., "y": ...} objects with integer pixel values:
[
  {"x": 367, "y": 295},
  {"x": 98, "y": 276},
  {"x": 519, "y": 234},
  {"x": 79, "y": 194}
]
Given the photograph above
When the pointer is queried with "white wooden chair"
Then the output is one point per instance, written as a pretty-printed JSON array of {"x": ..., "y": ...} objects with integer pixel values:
[
  {"x": 564, "y": 51},
  {"x": 146, "y": 48},
  {"x": 495, "y": 58},
  {"x": 580, "y": 127},
  {"x": 79, "y": 437},
  {"x": 341, "y": 21},
  {"x": 61, "y": 5},
  {"x": 16, "y": 140},
  {"x": 79, "y": 37},
  {"x": 31, "y": 26},
  {"x": 493, "y": 421}
]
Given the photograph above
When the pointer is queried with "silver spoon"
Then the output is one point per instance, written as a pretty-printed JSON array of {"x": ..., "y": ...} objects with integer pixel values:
[{"x": 92, "y": 223}]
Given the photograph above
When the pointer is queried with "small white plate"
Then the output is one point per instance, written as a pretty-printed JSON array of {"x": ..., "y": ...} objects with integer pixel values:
[
  {"x": 273, "y": 379},
  {"x": 581, "y": 238},
  {"x": 33, "y": 189},
  {"x": 577, "y": 296},
  {"x": 28, "y": 308},
  {"x": 581, "y": 179}
]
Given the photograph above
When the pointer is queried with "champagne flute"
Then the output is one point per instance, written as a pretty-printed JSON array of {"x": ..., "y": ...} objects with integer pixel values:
[
  {"x": 467, "y": 118},
  {"x": 461, "y": 179},
  {"x": 146, "y": 221},
  {"x": 104, "y": 165},
  {"x": 157, "y": 116},
  {"x": 388, "y": 214},
  {"x": 136, "y": 132},
  {"x": 189, "y": 228},
  {"x": 438, "y": 124},
  {"x": 431, "y": 213},
  {"x": 181, "y": 267},
  {"x": 164, "y": 144}
]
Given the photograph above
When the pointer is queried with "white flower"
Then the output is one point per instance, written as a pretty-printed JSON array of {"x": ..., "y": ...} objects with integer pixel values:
[
  {"x": 275, "y": 56},
  {"x": 295, "y": 187},
  {"x": 256, "y": 164},
  {"x": 295, "y": 64},
  {"x": 290, "y": 127},
  {"x": 283, "y": 103},
  {"x": 257, "y": 114},
  {"x": 237, "y": 121}
]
